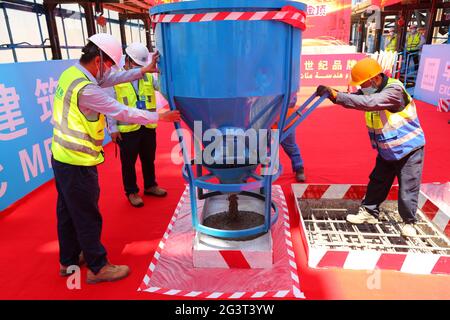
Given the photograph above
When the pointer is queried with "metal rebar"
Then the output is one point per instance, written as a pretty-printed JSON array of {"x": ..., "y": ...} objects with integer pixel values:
[{"x": 333, "y": 233}]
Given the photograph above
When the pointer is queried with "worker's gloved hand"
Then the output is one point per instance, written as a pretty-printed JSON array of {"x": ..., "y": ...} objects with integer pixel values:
[{"x": 322, "y": 90}]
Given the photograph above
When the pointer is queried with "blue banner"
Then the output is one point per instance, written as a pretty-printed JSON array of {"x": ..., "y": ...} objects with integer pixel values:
[
  {"x": 26, "y": 100},
  {"x": 433, "y": 79}
]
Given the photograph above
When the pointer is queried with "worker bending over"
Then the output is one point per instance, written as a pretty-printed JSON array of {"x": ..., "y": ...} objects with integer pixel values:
[{"x": 396, "y": 134}]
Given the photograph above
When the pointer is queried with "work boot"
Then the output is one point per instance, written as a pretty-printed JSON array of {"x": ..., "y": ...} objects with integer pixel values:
[
  {"x": 135, "y": 200},
  {"x": 300, "y": 174},
  {"x": 108, "y": 273},
  {"x": 361, "y": 217},
  {"x": 408, "y": 230},
  {"x": 155, "y": 191},
  {"x": 63, "y": 269}
]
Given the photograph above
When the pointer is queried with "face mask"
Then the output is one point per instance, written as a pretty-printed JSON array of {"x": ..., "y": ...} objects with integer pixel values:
[
  {"x": 413, "y": 31},
  {"x": 370, "y": 90},
  {"x": 102, "y": 73}
]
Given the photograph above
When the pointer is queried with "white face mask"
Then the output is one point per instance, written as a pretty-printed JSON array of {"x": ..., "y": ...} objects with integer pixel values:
[{"x": 370, "y": 90}]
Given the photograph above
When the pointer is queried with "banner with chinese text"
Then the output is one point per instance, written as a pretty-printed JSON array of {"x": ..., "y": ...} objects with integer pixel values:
[
  {"x": 433, "y": 79},
  {"x": 26, "y": 98},
  {"x": 327, "y": 69},
  {"x": 327, "y": 22}
]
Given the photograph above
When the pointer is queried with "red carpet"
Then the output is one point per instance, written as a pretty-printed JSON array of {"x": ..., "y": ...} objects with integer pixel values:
[{"x": 335, "y": 147}]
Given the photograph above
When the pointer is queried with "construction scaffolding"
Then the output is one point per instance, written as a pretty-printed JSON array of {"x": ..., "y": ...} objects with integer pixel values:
[{"x": 54, "y": 20}]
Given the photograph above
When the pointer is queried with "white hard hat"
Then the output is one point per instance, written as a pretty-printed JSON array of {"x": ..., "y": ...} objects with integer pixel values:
[
  {"x": 138, "y": 53},
  {"x": 109, "y": 45}
]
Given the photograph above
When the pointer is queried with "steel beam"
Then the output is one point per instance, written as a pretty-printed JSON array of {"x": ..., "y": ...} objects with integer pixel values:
[
  {"x": 123, "y": 36},
  {"x": 90, "y": 20},
  {"x": 49, "y": 9}
]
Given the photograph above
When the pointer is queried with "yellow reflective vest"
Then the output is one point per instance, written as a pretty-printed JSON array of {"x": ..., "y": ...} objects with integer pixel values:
[
  {"x": 76, "y": 140},
  {"x": 391, "y": 43},
  {"x": 397, "y": 134},
  {"x": 126, "y": 94},
  {"x": 412, "y": 41}
]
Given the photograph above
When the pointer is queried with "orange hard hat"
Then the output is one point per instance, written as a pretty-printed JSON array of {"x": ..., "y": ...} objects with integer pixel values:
[{"x": 364, "y": 70}]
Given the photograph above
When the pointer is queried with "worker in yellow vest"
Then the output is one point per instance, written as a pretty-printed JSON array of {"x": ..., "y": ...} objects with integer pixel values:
[
  {"x": 134, "y": 139},
  {"x": 79, "y": 109},
  {"x": 396, "y": 134},
  {"x": 390, "y": 43},
  {"x": 414, "y": 42}
]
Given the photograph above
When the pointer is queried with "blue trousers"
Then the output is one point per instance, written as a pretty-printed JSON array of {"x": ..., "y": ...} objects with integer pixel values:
[
  {"x": 408, "y": 171},
  {"x": 293, "y": 151},
  {"x": 79, "y": 219}
]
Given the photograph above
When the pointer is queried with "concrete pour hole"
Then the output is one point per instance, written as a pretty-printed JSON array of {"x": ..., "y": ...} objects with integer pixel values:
[{"x": 326, "y": 226}]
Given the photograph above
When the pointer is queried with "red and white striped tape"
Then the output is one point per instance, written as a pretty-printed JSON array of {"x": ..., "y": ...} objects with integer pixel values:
[
  {"x": 284, "y": 214},
  {"x": 416, "y": 263},
  {"x": 233, "y": 259},
  {"x": 294, "y": 292},
  {"x": 239, "y": 259},
  {"x": 162, "y": 242},
  {"x": 336, "y": 191},
  {"x": 439, "y": 217},
  {"x": 443, "y": 105},
  {"x": 288, "y": 14}
]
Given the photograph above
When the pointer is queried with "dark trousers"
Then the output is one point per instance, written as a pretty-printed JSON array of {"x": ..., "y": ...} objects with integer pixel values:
[
  {"x": 79, "y": 218},
  {"x": 408, "y": 171},
  {"x": 140, "y": 143},
  {"x": 415, "y": 58},
  {"x": 293, "y": 151}
]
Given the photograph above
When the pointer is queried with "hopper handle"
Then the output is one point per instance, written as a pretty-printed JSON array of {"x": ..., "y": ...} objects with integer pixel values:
[{"x": 301, "y": 113}]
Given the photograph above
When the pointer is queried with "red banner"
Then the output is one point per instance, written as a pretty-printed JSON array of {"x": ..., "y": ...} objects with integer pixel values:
[
  {"x": 327, "y": 69},
  {"x": 385, "y": 3},
  {"x": 327, "y": 22}
]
